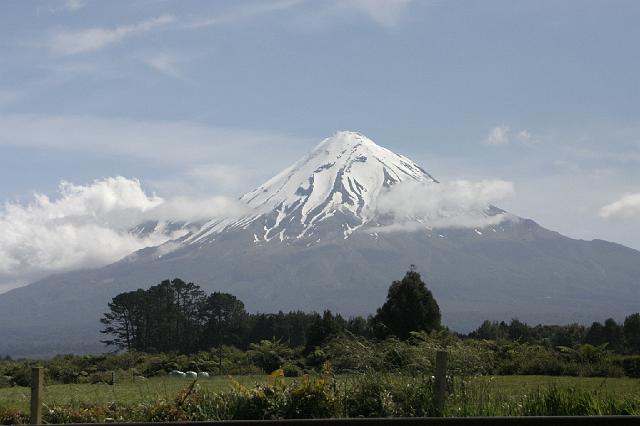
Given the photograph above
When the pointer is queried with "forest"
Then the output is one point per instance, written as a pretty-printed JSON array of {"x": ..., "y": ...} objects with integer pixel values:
[
  {"x": 175, "y": 325},
  {"x": 175, "y": 316}
]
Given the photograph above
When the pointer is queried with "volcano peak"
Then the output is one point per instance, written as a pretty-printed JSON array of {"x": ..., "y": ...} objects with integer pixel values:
[{"x": 340, "y": 179}]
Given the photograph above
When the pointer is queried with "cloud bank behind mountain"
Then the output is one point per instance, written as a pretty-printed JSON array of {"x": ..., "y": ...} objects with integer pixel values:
[{"x": 91, "y": 225}]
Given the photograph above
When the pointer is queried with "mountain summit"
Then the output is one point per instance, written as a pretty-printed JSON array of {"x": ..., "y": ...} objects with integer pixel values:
[
  {"x": 340, "y": 179},
  {"x": 310, "y": 241}
]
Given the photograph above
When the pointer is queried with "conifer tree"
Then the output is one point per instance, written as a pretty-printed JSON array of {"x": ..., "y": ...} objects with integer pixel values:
[{"x": 410, "y": 306}]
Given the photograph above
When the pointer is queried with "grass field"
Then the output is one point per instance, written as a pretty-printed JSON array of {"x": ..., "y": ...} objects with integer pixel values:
[
  {"x": 139, "y": 391},
  {"x": 500, "y": 387},
  {"x": 520, "y": 384}
]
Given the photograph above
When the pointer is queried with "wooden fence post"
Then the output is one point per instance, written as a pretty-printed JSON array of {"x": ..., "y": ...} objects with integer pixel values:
[
  {"x": 440, "y": 383},
  {"x": 113, "y": 378},
  {"x": 37, "y": 379}
]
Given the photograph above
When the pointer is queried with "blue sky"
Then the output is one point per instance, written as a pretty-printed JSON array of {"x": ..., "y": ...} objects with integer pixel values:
[{"x": 204, "y": 98}]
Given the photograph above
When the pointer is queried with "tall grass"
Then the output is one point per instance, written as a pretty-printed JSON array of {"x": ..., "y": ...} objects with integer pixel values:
[
  {"x": 324, "y": 395},
  {"x": 484, "y": 398}
]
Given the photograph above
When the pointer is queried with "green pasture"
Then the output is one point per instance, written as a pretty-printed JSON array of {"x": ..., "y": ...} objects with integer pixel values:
[
  {"x": 129, "y": 392},
  {"x": 497, "y": 388},
  {"x": 522, "y": 384}
]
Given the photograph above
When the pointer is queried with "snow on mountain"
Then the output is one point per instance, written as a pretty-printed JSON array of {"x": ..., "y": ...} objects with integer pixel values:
[{"x": 342, "y": 176}]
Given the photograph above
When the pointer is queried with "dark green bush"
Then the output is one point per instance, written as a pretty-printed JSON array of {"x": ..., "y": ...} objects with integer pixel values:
[
  {"x": 630, "y": 365},
  {"x": 22, "y": 375},
  {"x": 291, "y": 370},
  {"x": 269, "y": 355}
]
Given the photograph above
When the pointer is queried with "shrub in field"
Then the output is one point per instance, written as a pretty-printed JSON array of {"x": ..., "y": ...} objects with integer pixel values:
[
  {"x": 602, "y": 368},
  {"x": 84, "y": 413},
  {"x": 349, "y": 354},
  {"x": 471, "y": 358},
  {"x": 21, "y": 375},
  {"x": 257, "y": 403},
  {"x": 269, "y": 355},
  {"x": 201, "y": 406},
  {"x": 10, "y": 416},
  {"x": 291, "y": 370},
  {"x": 629, "y": 364},
  {"x": 310, "y": 398},
  {"x": 161, "y": 411},
  {"x": 95, "y": 378},
  {"x": 367, "y": 396},
  {"x": 235, "y": 361},
  {"x": 158, "y": 365},
  {"x": 316, "y": 358},
  {"x": 466, "y": 357},
  {"x": 263, "y": 401},
  {"x": 412, "y": 397},
  {"x": 313, "y": 397},
  {"x": 376, "y": 395},
  {"x": 525, "y": 359},
  {"x": 398, "y": 356}
]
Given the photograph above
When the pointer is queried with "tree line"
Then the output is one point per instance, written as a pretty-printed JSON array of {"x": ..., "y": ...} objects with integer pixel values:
[
  {"x": 623, "y": 337},
  {"x": 176, "y": 316}
]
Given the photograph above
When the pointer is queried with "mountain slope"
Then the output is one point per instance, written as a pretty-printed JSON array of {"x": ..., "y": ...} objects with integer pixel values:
[{"x": 310, "y": 242}]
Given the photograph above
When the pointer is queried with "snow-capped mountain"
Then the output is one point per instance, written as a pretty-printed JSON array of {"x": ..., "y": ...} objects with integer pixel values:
[
  {"x": 309, "y": 241},
  {"x": 341, "y": 177}
]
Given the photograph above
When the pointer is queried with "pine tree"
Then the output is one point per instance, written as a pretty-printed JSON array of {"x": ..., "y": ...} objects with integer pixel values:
[
  {"x": 410, "y": 306},
  {"x": 123, "y": 321},
  {"x": 225, "y": 321}
]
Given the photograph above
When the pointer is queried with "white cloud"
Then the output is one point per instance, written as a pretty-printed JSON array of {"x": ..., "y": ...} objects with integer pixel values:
[
  {"x": 501, "y": 135},
  {"x": 90, "y": 225},
  {"x": 498, "y": 135},
  {"x": 523, "y": 136},
  {"x": 626, "y": 206},
  {"x": 93, "y": 39},
  {"x": 319, "y": 15},
  {"x": 457, "y": 204},
  {"x": 71, "y": 42},
  {"x": 165, "y": 63},
  {"x": 245, "y": 11},
  {"x": 74, "y": 4},
  {"x": 384, "y": 12},
  {"x": 58, "y": 6}
]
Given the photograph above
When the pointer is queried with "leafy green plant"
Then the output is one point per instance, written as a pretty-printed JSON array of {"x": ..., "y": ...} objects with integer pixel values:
[{"x": 269, "y": 355}]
